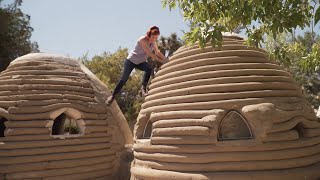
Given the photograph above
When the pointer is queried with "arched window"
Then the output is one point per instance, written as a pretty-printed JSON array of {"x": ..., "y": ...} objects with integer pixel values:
[
  {"x": 299, "y": 128},
  {"x": 2, "y": 126},
  {"x": 147, "y": 130},
  {"x": 64, "y": 125},
  {"x": 234, "y": 126}
]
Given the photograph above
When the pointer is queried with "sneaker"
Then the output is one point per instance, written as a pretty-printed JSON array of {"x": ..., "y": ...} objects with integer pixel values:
[{"x": 110, "y": 100}]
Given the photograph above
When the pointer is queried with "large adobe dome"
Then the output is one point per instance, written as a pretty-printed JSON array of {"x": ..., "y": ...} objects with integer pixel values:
[
  {"x": 54, "y": 123},
  {"x": 225, "y": 114}
]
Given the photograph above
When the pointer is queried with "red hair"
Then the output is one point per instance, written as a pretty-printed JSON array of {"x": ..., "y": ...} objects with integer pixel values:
[{"x": 154, "y": 30}]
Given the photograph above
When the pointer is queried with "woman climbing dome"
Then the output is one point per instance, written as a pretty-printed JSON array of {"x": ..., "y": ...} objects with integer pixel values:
[{"x": 137, "y": 58}]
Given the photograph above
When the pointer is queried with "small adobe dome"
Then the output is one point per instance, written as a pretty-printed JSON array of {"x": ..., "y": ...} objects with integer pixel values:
[
  {"x": 225, "y": 114},
  {"x": 54, "y": 123}
]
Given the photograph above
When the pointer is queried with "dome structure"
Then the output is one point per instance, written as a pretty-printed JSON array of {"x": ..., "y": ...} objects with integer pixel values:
[
  {"x": 229, "y": 113},
  {"x": 54, "y": 123}
]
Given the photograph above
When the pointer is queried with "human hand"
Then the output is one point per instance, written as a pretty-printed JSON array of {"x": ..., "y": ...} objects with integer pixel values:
[{"x": 165, "y": 60}]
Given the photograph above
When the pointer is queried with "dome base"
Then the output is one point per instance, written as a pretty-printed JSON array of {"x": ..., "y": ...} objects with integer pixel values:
[{"x": 307, "y": 172}]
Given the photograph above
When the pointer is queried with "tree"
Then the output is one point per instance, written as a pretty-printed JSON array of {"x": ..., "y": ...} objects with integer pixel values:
[
  {"x": 167, "y": 46},
  {"x": 15, "y": 33},
  {"x": 262, "y": 18},
  {"x": 108, "y": 68},
  {"x": 308, "y": 40},
  {"x": 209, "y": 18},
  {"x": 301, "y": 57}
]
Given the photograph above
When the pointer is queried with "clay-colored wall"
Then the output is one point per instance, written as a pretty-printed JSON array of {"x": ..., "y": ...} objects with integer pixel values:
[
  {"x": 36, "y": 89},
  {"x": 193, "y": 93}
]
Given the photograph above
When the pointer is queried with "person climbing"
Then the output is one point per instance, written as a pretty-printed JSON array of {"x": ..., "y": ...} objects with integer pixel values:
[{"x": 137, "y": 58}]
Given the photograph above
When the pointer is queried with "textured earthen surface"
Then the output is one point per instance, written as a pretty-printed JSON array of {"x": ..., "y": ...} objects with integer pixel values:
[
  {"x": 34, "y": 90},
  {"x": 227, "y": 113}
]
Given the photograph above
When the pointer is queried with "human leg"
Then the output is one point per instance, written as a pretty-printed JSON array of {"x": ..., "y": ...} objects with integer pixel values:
[
  {"x": 147, "y": 73},
  {"x": 128, "y": 67}
]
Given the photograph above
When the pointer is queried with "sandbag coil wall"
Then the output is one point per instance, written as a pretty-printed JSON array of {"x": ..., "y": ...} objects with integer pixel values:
[{"x": 34, "y": 92}]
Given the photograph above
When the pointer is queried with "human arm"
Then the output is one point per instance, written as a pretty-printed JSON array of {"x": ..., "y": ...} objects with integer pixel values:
[
  {"x": 159, "y": 54},
  {"x": 144, "y": 45}
]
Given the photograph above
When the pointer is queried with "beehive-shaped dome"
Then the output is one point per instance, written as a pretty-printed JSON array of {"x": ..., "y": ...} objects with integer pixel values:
[
  {"x": 227, "y": 113},
  {"x": 54, "y": 123}
]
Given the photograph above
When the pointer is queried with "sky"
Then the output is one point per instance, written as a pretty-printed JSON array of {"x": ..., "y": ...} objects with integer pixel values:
[{"x": 77, "y": 27}]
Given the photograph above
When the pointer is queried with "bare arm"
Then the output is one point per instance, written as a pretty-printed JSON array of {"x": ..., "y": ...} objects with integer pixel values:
[
  {"x": 147, "y": 50},
  {"x": 159, "y": 54}
]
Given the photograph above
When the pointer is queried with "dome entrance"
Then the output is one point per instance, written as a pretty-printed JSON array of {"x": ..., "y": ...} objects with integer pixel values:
[{"x": 233, "y": 126}]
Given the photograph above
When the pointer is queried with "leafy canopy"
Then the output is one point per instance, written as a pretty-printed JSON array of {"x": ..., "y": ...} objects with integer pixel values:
[
  {"x": 15, "y": 33},
  {"x": 301, "y": 57},
  {"x": 208, "y": 18},
  {"x": 108, "y": 67}
]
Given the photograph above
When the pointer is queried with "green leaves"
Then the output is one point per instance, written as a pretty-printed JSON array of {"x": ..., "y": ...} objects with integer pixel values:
[
  {"x": 108, "y": 67},
  {"x": 271, "y": 18},
  {"x": 301, "y": 57},
  {"x": 15, "y": 34},
  {"x": 215, "y": 16},
  {"x": 311, "y": 62},
  {"x": 168, "y": 45},
  {"x": 317, "y": 16},
  {"x": 170, "y": 3}
]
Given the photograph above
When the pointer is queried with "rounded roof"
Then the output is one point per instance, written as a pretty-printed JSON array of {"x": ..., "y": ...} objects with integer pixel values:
[
  {"x": 46, "y": 79},
  {"x": 46, "y": 57},
  {"x": 195, "y": 78},
  {"x": 217, "y": 112},
  {"x": 41, "y": 86}
]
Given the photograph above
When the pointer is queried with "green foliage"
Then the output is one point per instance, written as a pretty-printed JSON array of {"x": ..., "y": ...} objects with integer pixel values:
[
  {"x": 311, "y": 62},
  {"x": 168, "y": 45},
  {"x": 108, "y": 68},
  {"x": 317, "y": 16},
  {"x": 298, "y": 54},
  {"x": 301, "y": 57},
  {"x": 71, "y": 129},
  {"x": 208, "y": 18},
  {"x": 15, "y": 33},
  {"x": 272, "y": 19}
]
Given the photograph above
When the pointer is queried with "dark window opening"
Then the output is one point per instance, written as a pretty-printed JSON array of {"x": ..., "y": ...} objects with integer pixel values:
[
  {"x": 147, "y": 130},
  {"x": 233, "y": 126},
  {"x": 299, "y": 129},
  {"x": 64, "y": 125},
  {"x": 2, "y": 126}
]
